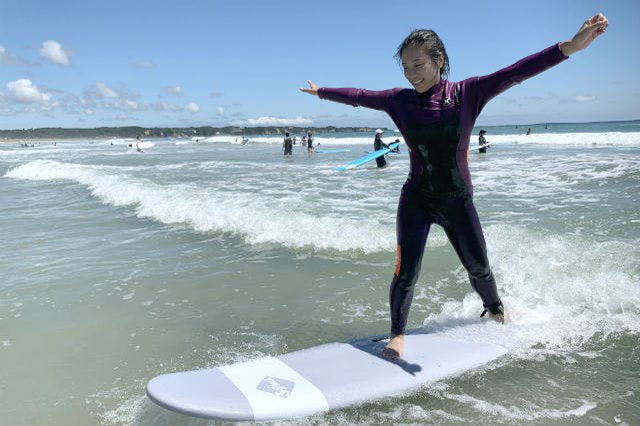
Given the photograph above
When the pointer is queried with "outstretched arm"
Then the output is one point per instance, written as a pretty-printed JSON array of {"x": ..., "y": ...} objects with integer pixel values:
[
  {"x": 483, "y": 89},
  {"x": 380, "y": 100}
]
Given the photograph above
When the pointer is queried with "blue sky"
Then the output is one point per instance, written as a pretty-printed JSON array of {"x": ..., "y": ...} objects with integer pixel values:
[{"x": 190, "y": 63}]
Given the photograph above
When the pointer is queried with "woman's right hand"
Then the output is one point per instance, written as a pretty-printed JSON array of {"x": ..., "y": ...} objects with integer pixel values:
[{"x": 313, "y": 88}]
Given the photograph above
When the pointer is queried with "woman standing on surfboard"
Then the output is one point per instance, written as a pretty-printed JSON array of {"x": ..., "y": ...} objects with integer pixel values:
[{"x": 436, "y": 118}]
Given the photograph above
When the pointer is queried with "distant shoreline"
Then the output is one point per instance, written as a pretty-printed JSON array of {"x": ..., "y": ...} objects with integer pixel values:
[
  {"x": 102, "y": 133},
  {"x": 50, "y": 134}
]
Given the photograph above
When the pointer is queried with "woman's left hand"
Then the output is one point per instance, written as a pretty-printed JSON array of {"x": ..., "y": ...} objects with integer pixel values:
[
  {"x": 592, "y": 28},
  {"x": 313, "y": 88}
]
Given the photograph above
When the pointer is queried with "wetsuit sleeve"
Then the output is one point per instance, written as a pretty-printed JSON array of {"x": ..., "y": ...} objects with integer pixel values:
[
  {"x": 481, "y": 90},
  {"x": 380, "y": 100}
]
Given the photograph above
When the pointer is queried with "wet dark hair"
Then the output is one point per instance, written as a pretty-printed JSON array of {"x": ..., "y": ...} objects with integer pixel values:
[
  {"x": 432, "y": 45},
  {"x": 482, "y": 132}
]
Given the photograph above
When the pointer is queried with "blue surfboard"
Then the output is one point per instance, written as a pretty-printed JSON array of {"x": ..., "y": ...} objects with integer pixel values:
[
  {"x": 332, "y": 151},
  {"x": 372, "y": 156}
]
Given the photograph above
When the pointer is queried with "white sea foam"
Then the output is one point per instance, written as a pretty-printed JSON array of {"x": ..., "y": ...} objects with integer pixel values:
[
  {"x": 602, "y": 139},
  {"x": 277, "y": 139},
  {"x": 541, "y": 176},
  {"x": 118, "y": 141},
  {"x": 235, "y": 139},
  {"x": 559, "y": 291},
  {"x": 529, "y": 412},
  {"x": 126, "y": 413},
  {"x": 620, "y": 139},
  {"x": 412, "y": 414},
  {"x": 270, "y": 217}
]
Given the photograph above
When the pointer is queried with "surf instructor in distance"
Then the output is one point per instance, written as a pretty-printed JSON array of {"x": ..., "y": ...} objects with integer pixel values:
[{"x": 436, "y": 118}]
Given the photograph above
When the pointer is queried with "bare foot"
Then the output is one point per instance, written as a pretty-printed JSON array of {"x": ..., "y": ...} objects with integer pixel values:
[
  {"x": 395, "y": 347},
  {"x": 497, "y": 317}
]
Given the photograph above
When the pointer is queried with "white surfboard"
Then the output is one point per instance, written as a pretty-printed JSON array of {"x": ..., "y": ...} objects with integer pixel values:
[
  {"x": 317, "y": 379},
  {"x": 141, "y": 145},
  {"x": 484, "y": 145}
]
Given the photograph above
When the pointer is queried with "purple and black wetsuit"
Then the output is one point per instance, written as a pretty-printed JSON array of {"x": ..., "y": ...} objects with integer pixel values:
[{"x": 436, "y": 126}]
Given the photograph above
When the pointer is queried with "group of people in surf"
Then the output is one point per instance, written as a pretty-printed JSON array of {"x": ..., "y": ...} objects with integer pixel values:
[
  {"x": 378, "y": 144},
  {"x": 34, "y": 144},
  {"x": 289, "y": 142},
  {"x": 436, "y": 118}
]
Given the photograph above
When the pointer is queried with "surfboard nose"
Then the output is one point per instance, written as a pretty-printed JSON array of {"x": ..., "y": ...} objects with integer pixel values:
[{"x": 203, "y": 393}]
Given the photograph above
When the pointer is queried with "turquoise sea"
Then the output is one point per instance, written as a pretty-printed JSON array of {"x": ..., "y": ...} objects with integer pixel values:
[{"x": 118, "y": 266}]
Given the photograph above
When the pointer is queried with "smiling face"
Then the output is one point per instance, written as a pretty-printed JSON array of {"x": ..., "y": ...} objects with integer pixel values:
[{"x": 419, "y": 68}]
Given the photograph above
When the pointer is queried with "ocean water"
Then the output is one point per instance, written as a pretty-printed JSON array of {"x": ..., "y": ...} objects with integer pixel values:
[{"x": 118, "y": 266}]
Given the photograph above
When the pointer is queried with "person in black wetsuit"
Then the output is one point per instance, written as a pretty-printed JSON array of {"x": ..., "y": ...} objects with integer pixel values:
[
  {"x": 310, "y": 142},
  {"x": 377, "y": 145},
  {"x": 287, "y": 144},
  {"x": 482, "y": 141},
  {"x": 436, "y": 118},
  {"x": 397, "y": 148}
]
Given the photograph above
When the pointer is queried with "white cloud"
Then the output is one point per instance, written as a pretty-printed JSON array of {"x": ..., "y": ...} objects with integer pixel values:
[
  {"x": 131, "y": 104},
  {"x": 53, "y": 51},
  {"x": 163, "y": 106},
  {"x": 25, "y": 92},
  {"x": 105, "y": 91},
  {"x": 124, "y": 117},
  {"x": 192, "y": 107},
  {"x": 276, "y": 121},
  {"x": 10, "y": 58},
  {"x": 174, "y": 90},
  {"x": 585, "y": 98},
  {"x": 145, "y": 64},
  {"x": 220, "y": 111},
  {"x": 101, "y": 96}
]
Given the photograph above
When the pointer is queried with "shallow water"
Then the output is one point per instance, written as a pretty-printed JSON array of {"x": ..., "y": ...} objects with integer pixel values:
[{"x": 119, "y": 266}]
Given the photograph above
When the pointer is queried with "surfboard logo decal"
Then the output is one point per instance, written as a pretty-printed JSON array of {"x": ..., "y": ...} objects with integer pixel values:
[{"x": 276, "y": 386}]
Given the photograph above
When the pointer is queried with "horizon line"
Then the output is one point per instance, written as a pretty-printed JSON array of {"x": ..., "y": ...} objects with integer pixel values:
[{"x": 302, "y": 127}]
